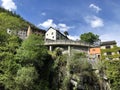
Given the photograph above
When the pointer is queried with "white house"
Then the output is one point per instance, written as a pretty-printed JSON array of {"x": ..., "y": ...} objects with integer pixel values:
[{"x": 53, "y": 34}]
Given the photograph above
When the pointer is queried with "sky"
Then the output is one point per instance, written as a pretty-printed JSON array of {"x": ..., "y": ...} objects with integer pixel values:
[{"x": 102, "y": 17}]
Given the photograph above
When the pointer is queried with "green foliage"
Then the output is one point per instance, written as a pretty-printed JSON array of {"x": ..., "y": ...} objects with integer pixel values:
[
  {"x": 8, "y": 66},
  {"x": 23, "y": 65},
  {"x": 114, "y": 50},
  {"x": 9, "y": 12},
  {"x": 10, "y": 20},
  {"x": 32, "y": 51},
  {"x": 58, "y": 51},
  {"x": 113, "y": 73},
  {"x": 89, "y": 37},
  {"x": 25, "y": 78},
  {"x": 79, "y": 63},
  {"x": 82, "y": 72},
  {"x": 79, "y": 55},
  {"x": 59, "y": 71}
]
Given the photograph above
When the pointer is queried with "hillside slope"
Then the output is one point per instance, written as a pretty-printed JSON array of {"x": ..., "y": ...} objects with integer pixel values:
[{"x": 13, "y": 21}]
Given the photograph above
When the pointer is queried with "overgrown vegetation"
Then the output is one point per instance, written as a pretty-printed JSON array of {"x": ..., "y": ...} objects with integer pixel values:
[
  {"x": 24, "y": 65},
  {"x": 115, "y": 50},
  {"x": 10, "y": 20},
  {"x": 27, "y": 65},
  {"x": 113, "y": 73}
]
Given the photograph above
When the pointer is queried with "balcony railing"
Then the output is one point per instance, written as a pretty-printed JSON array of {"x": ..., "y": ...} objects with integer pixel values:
[{"x": 67, "y": 42}]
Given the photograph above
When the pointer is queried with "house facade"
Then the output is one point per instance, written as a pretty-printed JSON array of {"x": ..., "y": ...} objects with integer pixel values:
[
  {"x": 24, "y": 33},
  {"x": 110, "y": 50},
  {"x": 94, "y": 53},
  {"x": 106, "y": 51},
  {"x": 21, "y": 33},
  {"x": 53, "y": 34}
]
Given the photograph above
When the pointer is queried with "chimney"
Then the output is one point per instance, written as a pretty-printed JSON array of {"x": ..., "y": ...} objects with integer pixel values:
[{"x": 29, "y": 31}]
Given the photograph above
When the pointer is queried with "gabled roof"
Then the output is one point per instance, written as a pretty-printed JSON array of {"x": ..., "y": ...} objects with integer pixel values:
[
  {"x": 34, "y": 29},
  {"x": 108, "y": 43},
  {"x": 57, "y": 31},
  {"x": 38, "y": 29}
]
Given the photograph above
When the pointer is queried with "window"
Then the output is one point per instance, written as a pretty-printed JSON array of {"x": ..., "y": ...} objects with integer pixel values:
[
  {"x": 119, "y": 58},
  {"x": 53, "y": 37},
  {"x": 52, "y": 33},
  {"x": 93, "y": 50},
  {"x": 24, "y": 33},
  {"x": 119, "y": 51},
  {"x": 107, "y": 47},
  {"x": 109, "y": 53},
  {"x": 110, "y": 58},
  {"x": 9, "y": 31},
  {"x": 57, "y": 37}
]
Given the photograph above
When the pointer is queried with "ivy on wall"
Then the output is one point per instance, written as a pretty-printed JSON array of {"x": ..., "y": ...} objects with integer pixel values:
[{"x": 114, "y": 50}]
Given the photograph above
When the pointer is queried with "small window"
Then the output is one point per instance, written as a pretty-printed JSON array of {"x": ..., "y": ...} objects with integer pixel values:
[
  {"x": 47, "y": 34},
  {"x": 110, "y": 58},
  {"x": 119, "y": 51},
  {"x": 109, "y": 53},
  {"x": 57, "y": 37},
  {"x": 53, "y": 37},
  {"x": 52, "y": 33},
  {"x": 24, "y": 33},
  {"x": 93, "y": 50},
  {"x": 107, "y": 47}
]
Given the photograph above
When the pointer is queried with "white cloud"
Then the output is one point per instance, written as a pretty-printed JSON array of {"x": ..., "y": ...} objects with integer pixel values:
[
  {"x": 94, "y": 21},
  {"x": 110, "y": 37},
  {"x": 63, "y": 27},
  {"x": 94, "y": 7},
  {"x": 49, "y": 23},
  {"x": 43, "y": 14},
  {"x": 9, "y": 5},
  {"x": 111, "y": 32},
  {"x": 73, "y": 37}
]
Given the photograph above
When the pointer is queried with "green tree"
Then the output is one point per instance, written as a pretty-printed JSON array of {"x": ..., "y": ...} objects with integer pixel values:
[
  {"x": 89, "y": 37},
  {"x": 13, "y": 21},
  {"x": 113, "y": 73},
  {"x": 25, "y": 79},
  {"x": 32, "y": 51},
  {"x": 8, "y": 66},
  {"x": 81, "y": 72},
  {"x": 59, "y": 70}
]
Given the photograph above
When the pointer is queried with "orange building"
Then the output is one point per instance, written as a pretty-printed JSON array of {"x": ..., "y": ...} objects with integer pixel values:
[{"x": 94, "y": 53}]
